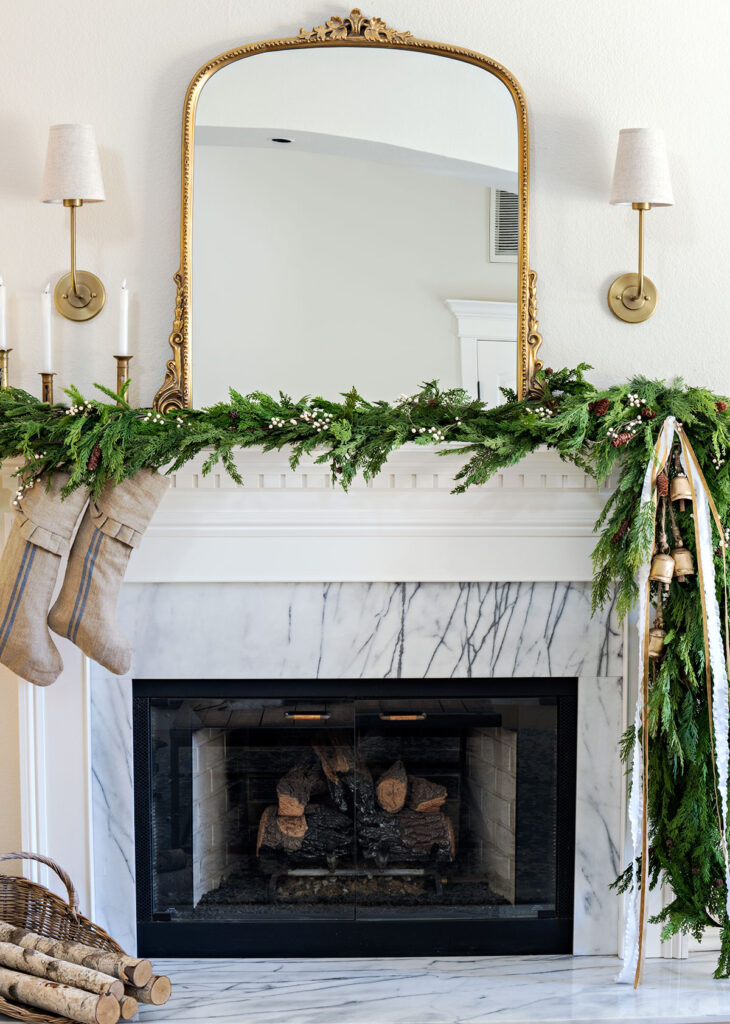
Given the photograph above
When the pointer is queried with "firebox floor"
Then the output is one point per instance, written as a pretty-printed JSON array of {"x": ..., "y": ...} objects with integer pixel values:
[{"x": 508, "y": 990}]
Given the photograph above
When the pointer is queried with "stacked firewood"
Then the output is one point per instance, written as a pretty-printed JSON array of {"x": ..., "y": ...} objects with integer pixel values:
[
  {"x": 82, "y": 983},
  {"x": 399, "y": 817}
]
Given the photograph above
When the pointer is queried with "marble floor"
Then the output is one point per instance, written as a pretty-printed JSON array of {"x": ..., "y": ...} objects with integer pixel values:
[{"x": 507, "y": 990}]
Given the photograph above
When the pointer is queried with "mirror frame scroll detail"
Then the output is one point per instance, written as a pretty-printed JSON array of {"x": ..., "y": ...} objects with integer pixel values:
[{"x": 354, "y": 30}]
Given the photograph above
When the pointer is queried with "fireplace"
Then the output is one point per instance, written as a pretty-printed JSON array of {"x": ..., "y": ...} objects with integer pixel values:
[{"x": 355, "y": 817}]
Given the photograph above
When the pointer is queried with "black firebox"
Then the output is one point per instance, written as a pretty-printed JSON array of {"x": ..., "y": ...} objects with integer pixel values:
[{"x": 355, "y": 818}]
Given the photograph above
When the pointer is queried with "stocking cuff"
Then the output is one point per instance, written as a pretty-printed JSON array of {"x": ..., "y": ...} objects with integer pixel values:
[
  {"x": 113, "y": 528},
  {"x": 41, "y": 537}
]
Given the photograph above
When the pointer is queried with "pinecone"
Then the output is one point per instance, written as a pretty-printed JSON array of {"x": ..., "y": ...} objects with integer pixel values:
[
  {"x": 621, "y": 532},
  {"x": 718, "y": 883},
  {"x": 599, "y": 408},
  {"x": 94, "y": 458},
  {"x": 662, "y": 485},
  {"x": 621, "y": 439},
  {"x": 233, "y": 414},
  {"x": 721, "y": 406},
  {"x": 696, "y": 869},
  {"x": 648, "y": 414}
]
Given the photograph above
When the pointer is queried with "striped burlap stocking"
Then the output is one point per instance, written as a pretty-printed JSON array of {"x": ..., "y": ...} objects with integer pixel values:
[
  {"x": 86, "y": 608},
  {"x": 39, "y": 537}
]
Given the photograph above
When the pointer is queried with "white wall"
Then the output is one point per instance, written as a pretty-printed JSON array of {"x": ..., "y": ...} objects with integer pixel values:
[
  {"x": 316, "y": 273},
  {"x": 124, "y": 66}
]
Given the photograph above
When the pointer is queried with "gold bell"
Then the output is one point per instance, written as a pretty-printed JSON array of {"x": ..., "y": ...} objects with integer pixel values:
[
  {"x": 656, "y": 641},
  {"x": 662, "y": 569},
  {"x": 683, "y": 563},
  {"x": 680, "y": 490}
]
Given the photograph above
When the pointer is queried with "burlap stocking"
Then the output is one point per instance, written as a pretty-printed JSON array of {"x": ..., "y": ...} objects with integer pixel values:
[
  {"x": 86, "y": 608},
  {"x": 39, "y": 537}
]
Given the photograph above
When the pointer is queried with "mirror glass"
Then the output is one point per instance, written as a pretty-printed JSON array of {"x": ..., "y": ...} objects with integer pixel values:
[{"x": 355, "y": 223}]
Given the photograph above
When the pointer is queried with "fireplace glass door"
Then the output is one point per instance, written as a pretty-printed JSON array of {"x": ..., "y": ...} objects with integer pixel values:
[{"x": 344, "y": 812}]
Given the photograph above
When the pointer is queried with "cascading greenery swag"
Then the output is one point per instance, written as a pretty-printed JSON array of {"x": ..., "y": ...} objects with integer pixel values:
[{"x": 600, "y": 431}]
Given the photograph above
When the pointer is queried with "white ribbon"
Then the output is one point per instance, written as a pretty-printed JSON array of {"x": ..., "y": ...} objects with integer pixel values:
[
  {"x": 718, "y": 663},
  {"x": 633, "y": 925}
]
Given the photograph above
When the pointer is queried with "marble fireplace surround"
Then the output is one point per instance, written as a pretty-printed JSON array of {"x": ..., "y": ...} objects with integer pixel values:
[{"x": 289, "y": 578}]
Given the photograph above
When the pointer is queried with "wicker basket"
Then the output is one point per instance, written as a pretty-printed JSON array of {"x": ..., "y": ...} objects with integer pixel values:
[{"x": 27, "y": 904}]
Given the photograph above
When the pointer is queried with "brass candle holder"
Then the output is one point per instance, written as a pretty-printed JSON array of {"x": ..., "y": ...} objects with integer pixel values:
[
  {"x": 122, "y": 371},
  {"x": 4, "y": 378},
  {"x": 47, "y": 387}
]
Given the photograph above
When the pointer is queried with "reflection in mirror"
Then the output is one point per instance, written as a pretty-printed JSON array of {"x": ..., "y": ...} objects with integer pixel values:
[{"x": 355, "y": 223}]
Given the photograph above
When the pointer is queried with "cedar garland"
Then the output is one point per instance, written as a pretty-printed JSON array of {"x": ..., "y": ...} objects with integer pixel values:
[{"x": 572, "y": 417}]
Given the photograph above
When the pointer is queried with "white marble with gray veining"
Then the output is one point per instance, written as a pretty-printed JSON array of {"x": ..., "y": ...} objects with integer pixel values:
[
  {"x": 507, "y": 990},
  {"x": 379, "y": 630},
  {"x": 351, "y": 630}
]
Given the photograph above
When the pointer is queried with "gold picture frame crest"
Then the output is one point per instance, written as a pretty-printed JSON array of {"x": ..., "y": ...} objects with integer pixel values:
[{"x": 353, "y": 30}]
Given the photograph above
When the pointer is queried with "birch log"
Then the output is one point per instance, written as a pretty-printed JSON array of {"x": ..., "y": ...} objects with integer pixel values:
[
  {"x": 157, "y": 991},
  {"x": 30, "y": 961},
  {"x": 128, "y": 969},
  {"x": 85, "y": 1007},
  {"x": 128, "y": 1007}
]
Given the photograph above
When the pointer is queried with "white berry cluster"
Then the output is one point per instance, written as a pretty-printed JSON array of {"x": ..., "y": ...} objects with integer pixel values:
[
  {"x": 401, "y": 399},
  {"x": 153, "y": 417},
  {"x": 80, "y": 410},
  {"x": 317, "y": 418},
  {"x": 627, "y": 428},
  {"x": 435, "y": 433},
  {"x": 21, "y": 491},
  {"x": 633, "y": 399},
  {"x": 179, "y": 422},
  {"x": 276, "y": 421},
  {"x": 542, "y": 411},
  {"x": 717, "y": 462},
  {"x": 27, "y": 484}
]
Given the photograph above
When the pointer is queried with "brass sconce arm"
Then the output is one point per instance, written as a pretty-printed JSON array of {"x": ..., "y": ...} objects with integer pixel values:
[
  {"x": 632, "y": 297},
  {"x": 79, "y": 295},
  {"x": 73, "y": 204}
]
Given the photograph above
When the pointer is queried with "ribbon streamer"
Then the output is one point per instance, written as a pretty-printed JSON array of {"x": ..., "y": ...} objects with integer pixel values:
[{"x": 717, "y": 689}]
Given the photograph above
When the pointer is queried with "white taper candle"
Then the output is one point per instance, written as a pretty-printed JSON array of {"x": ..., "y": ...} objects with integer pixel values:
[
  {"x": 3, "y": 337},
  {"x": 46, "y": 324},
  {"x": 124, "y": 321}
]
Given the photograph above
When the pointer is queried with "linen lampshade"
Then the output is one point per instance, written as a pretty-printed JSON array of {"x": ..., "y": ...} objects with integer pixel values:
[
  {"x": 641, "y": 173},
  {"x": 72, "y": 168}
]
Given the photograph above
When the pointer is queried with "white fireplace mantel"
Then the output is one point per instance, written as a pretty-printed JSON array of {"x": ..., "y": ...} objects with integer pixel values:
[{"x": 533, "y": 521}]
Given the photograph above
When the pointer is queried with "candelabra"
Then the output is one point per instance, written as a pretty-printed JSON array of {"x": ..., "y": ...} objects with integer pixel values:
[
  {"x": 122, "y": 371},
  {"x": 47, "y": 387},
  {"x": 4, "y": 379}
]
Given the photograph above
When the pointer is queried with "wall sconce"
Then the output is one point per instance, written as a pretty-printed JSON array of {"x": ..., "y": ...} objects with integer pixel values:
[
  {"x": 72, "y": 176},
  {"x": 641, "y": 180}
]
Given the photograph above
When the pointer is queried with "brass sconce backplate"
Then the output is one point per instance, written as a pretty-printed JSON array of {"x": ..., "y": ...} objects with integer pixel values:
[
  {"x": 627, "y": 304},
  {"x": 85, "y": 302}
]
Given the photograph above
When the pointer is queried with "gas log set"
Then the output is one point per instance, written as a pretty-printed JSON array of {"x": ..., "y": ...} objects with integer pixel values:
[{"x": 326, "y": 807}]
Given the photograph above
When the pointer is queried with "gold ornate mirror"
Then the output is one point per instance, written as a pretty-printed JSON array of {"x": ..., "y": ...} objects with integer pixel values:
[{"x": 354, "y": 213}]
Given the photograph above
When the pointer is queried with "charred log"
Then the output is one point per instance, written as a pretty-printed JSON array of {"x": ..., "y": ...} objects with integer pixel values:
[
  {"x": 295, "y": 790},
  {"x": 408, "y": 836},
  {"x": 328, "y": 834},
  {"x": 426, "y": 796}
]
